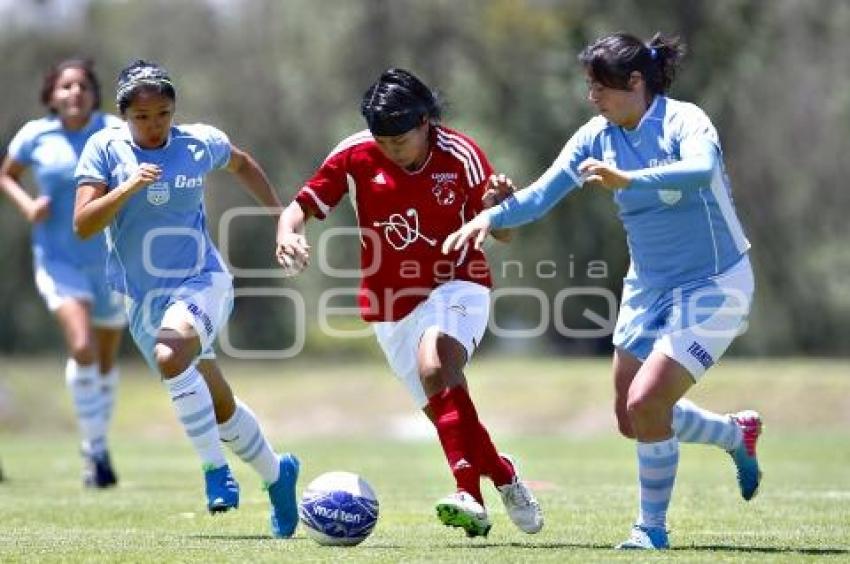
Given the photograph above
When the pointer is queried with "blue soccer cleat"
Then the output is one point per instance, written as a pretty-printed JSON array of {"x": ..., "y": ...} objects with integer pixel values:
[
  {"x": 645, "y": 538},
  {"x": 284, "y": 513},
  {"x": 745, "y": 458},
  {"x": 222, "y": 489}
]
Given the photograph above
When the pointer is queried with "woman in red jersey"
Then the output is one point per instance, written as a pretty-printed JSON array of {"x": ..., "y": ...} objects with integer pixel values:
[{"x": 412, "y": 182}]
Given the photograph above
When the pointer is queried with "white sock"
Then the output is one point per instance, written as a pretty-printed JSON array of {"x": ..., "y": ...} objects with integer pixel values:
[
  {"x": 243, "y": 435},
  {"x": 193, "y": 403},
  {"x": 657, "y": 465},
  {"x": 108, "y": 388},
  {"x": 692, "y": 424},
  {"x": 85, "y": 393}
]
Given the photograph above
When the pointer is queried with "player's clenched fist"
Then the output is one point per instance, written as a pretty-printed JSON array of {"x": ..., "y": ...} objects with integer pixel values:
[
  {"x": 292, "y": 253},
  {"x": 146, "y": 174},
  {"x": 499, "y": 187}
]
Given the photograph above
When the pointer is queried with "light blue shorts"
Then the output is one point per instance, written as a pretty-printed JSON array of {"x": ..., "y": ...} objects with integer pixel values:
[
  {"x": 58, "y": 281},
  {"x": 693, "y": 324},
  {"x": 205, "y": 302}
]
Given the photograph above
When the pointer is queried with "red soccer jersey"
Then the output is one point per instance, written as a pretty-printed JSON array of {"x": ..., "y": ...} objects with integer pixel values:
[{"x": 405, "y": 216}]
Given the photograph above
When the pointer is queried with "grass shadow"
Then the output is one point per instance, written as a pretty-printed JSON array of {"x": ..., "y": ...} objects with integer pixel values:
[
  {"x": 246, "y": 537},
  {"x": 539, "y": 545},
  {"x": 821, "y": 551}
]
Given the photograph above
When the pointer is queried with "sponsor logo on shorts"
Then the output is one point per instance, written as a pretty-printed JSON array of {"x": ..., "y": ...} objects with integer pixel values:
[
  {"x": 205, "y": 319},
  {"x": 700, "y": 354}
]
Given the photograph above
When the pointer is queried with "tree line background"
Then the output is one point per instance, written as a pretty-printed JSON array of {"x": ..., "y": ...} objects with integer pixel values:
[{"x": 284, "y": 78}]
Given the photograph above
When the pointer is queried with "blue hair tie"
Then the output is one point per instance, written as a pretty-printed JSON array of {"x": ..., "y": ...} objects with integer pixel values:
[{"x": 653, "y": 54}]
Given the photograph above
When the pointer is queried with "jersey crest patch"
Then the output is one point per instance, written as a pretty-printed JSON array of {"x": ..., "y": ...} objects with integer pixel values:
[
  {"x": 445, "y": 187},
  {"x": 670, "y": 197},
  {"x": 159, "y": 193}
]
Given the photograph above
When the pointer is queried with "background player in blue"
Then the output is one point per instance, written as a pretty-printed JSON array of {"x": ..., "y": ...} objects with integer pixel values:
[
  {"x": 689, "y": 288},
  {"x": 145, "y": 180},
  {"x": 69, "y": 272}
]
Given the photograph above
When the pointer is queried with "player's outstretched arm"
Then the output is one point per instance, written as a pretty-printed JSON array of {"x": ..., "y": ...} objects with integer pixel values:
[{"x": 252, "y": 176}]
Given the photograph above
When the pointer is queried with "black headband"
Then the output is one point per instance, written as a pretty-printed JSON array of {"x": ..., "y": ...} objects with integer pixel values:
[{"x": 395, "y": 123}]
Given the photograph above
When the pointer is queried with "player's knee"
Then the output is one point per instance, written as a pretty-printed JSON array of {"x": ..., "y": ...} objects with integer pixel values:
[
  {"x": 441, "y": 366},
  {"x": 641, "y": 407},
  {"x": 431, "y": 373},
  {"x": 82, "y": 351},
  {"x": 170, "y": 359},
  {"x": 624, "y": 424}
]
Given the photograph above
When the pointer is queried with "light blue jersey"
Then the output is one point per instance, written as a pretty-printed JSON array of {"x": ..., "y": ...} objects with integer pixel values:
[
  {"x": 51, "y": 152},
  {"x": 159, "y": 237},
  {"x": 678, "y": 213}
]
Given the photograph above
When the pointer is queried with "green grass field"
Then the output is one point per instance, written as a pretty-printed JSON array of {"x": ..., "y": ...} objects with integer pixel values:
[{"x": 552, "y": 414}]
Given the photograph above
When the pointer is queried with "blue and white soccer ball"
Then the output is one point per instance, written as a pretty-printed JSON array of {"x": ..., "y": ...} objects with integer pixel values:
[{"x": 338, "y": 509}]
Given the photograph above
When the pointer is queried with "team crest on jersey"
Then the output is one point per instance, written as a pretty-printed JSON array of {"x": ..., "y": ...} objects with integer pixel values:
[
  {"x": 445, "y": 187},
  {"x": 670, "y": 197},
  {"x": 159, "y": 193}
]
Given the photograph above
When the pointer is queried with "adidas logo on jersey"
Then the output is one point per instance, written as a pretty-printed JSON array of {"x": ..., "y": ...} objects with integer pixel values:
[{"x": 379, "y": 178}]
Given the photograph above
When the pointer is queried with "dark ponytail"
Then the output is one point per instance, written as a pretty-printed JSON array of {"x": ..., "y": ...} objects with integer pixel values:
[
  {"x": 668, "y": 54},
  {"x": 397, "y": 102},
  {"x": 612, "y": 59}
]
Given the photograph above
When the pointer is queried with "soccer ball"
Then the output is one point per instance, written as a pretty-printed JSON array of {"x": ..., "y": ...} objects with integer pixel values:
[{"x": 338, "y": 509}]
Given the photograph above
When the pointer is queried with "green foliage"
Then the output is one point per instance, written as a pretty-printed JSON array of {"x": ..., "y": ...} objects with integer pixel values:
[{"x": 284, "y": 79}]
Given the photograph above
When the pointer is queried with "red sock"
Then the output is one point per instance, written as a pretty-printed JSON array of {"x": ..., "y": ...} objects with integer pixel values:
[
  {"x": 458, "y": 443},
  {"x": 488, "y": 459}
]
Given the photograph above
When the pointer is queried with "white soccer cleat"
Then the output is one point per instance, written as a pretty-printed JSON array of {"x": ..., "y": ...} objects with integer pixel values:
[
  {"x": 520, "y": 503},
  {"x": 460, "y": 509}
]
